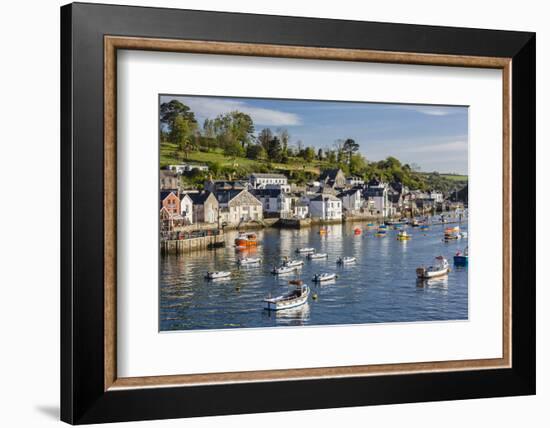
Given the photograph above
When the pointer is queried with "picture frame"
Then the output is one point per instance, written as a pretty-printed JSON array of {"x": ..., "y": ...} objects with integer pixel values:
[{"x": 91, "y": 391}]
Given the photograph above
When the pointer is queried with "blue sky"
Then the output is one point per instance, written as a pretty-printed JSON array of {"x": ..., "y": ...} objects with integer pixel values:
[{"x": 433, "y": 137}]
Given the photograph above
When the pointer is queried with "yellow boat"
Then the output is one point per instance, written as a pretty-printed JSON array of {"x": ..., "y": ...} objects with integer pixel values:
[{"x": 403, "y": 236}]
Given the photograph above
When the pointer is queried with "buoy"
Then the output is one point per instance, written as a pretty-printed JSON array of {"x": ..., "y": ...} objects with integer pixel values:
[{"x": 314, "y": 296}]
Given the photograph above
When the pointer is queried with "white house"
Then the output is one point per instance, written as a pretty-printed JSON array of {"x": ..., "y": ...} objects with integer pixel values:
[
  {"x": 186, "y": 167},
  {"x": 274, "y": 201},
  {"x": 352, "y": 200},
  {"x": 354, "y": 181},
  {"x": 186, "y": 208},
  {"x": 436, "y": 196},
  {"x": 325, "y": 207},
  {"x": 301, "y": 209},
  {"x": 269, "y": 181},
  {"x": 377, "y": 200}
]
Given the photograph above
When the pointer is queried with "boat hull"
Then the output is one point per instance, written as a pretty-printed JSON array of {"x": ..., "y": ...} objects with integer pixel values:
[
  {"x": 424, "y": 274},
  {"x": 460, "y": 260},
  {"x": 272, "y": 305}
]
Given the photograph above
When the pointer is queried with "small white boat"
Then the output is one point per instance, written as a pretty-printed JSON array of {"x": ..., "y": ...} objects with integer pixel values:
[
  {"x": 281, "y": 270},
  {"x": 305, "y": 250},
  {"x": 250, "y": 261},
  {"x": 440, "y": 267},
  {"x": 218, "y": 274},
  {"x": 293, "y": 263},
  {"x": 320, "y": 277},
  {"x": 346, "y": 260},
  {"x": 317, "y": 256},
  {"x": 289, "y": 300},
  {"x": 464, "y": 235}
]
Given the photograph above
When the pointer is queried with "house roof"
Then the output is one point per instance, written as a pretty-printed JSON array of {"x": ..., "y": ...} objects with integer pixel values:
[
  {"x": 264, "y": 175},
  {"x": 348, "y": 192},
  {"x": 224, "y": 196},
  {"x": 164, "y": 194},
  {"x": 325, "y": 196},
  {"x": 329, "y": 174},
  {"x": 167, "y": 173},
  {"x": 270, "y": 193},
  {"x": 199, "y": 198}
]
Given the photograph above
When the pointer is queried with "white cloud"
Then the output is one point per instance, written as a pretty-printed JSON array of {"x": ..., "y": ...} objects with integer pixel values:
[
  {"x": 212, "y": 107},
  {"x": 430, "y": 110}
]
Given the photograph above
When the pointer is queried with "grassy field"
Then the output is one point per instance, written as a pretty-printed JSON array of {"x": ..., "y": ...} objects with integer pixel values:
[
  {"x": 455, "y": 177},
  {"x": 216, "y": 156}
]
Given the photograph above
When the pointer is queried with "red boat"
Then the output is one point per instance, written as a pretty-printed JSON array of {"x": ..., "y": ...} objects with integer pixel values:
[{"x": 246, "y": 240}]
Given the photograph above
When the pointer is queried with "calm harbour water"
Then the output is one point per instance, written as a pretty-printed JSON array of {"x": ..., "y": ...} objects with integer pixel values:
[{"x": 380, "y": 287}]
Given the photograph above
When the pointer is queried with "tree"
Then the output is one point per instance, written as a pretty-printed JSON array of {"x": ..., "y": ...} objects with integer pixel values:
[
  {"x": 349, "y": 148},
  {"x": 309, "y": 154},
  {"x": 171, "y": 110},
  {"x": 234, "y": 149},
  {"x": 264, "y": 137},
  {"x": 274, "y": 150},
  {"x": 320, "y": 154},
  {"x": 182, "y": 133},
  {"x": 233, "y": 127},
  {"x": 255, "y": 151},
  {"x": 284, "y": 136},
  {"x": 331, "y": 157},
  {"x": 358, "y": 164}
]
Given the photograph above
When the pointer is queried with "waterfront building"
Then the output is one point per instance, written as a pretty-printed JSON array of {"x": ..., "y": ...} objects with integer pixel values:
[
  {"x": 436, "y": 196},
  {"x": 325, "y": 207},
  {"x": 205, "y": 207},
  {"x": 236, "y": 206},
  {"x": 186, "y": 208},
  {"x": 169, "y": 180},
  {"x": 170, "y": 201},
  {"x": 169, "y": 220},
  {"x": 352, "y": 200},
  {"x": 301, "y": 209},
  {"x": 377, "y": 200},
  {"x": 274, "y": 201},
  {"x": 333, "y": 178}
]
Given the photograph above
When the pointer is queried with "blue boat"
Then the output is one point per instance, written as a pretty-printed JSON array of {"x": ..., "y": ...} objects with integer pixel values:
[{"x": 461, "y": 258}]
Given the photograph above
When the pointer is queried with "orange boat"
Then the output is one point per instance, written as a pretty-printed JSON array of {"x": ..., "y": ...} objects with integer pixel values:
[{"x": 246, "y": 240}]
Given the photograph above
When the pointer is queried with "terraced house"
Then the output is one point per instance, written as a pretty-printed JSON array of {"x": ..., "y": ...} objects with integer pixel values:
[{"x": 238, "y": 206}]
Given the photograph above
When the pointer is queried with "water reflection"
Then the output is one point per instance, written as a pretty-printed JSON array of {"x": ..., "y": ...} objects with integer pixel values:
[{"x": 379, "y": 287}]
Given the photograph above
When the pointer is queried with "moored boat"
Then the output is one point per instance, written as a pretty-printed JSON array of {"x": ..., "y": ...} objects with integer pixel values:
[
  {"x": 245, "y": 240},
  {"x": 403, "y": 236},
  {"x": 317, "y": 256},
  {"x": 289, "y": 300},
  {"x": 440, "y": 267},
  {"x": 346, "y": 260},
  {"x": 381, "y": 232},
  {"x": 461, "y": 257},
  {"x": 281, "y": 270},
  {"x": 218, "y": 274},
  {"x": 293, "y": 263},
  {"x": 321, "y": 277},
  {"x": 305, "y": 250},
  {"x": 250, "y": 261},
  {"x": 452, "y": 234}
]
